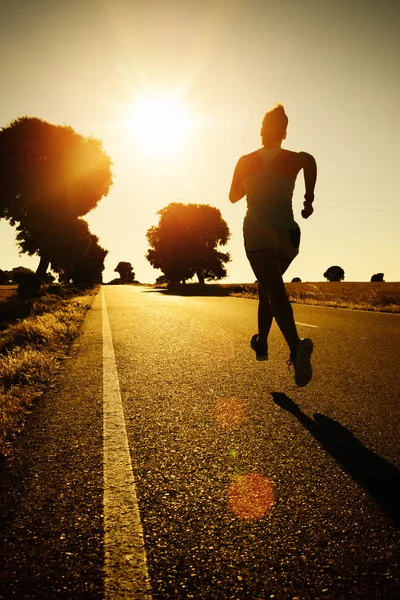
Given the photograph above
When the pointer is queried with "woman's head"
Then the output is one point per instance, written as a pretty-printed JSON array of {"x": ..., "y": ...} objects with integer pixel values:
[{"x": 274, "y": 125}]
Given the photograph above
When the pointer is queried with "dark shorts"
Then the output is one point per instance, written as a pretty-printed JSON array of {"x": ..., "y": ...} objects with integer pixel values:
[{"x": 285, "y": 242}]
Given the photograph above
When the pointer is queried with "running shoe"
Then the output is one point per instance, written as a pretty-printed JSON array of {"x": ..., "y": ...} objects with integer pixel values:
[
  {"x": 302, "y": 362},
  {"x": 260, "y": 349}
]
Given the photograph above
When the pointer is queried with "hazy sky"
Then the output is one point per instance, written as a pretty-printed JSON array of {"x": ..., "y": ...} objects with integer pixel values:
[{"x": 333, "y": 64}]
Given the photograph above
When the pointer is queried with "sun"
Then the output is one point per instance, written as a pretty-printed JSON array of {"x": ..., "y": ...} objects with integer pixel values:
[{"x": 159, "y": 125}]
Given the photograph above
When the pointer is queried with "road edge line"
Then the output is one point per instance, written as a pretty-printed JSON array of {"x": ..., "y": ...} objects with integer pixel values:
[
  {"x": 125, "y": 564},
  {"x": 307, "y": 325}
]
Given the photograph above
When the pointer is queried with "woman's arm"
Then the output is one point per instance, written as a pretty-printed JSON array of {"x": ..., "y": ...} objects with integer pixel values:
[
  {"x": 309, "y": 166},
  {"x": 246, "y": 166},
  {"x": 237, "y": 190}
]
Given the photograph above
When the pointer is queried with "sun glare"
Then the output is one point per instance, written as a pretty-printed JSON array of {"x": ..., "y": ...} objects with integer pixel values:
[{"x": 159, "y": 125}]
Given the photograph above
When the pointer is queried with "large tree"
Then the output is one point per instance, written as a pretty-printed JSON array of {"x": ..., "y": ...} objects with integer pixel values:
[
  {"x": 185, "y": 242},
  {"x": 125, "y": 271},
  {"x": 49, "y": 177}
]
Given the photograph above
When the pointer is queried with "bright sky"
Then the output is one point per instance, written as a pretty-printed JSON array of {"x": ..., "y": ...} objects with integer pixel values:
[{"x": 215, "y": 67}]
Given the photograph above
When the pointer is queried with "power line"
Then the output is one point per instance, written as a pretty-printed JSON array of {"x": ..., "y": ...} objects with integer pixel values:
[
  {"x": 190, "y": 195},
  {"x": 154, "y": 211},
  {"x": 357, "y": 222},
  {"x": 148, "y": 190},
  {"x": 320, "y": 203},
  {"x": 363, "y": 209}
]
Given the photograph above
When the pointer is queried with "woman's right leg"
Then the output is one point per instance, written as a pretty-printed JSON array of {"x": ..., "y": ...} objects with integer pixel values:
[{"x": 265, "y": 315}]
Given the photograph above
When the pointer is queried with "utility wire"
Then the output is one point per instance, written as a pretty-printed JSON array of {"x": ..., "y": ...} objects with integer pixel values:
[
  {"x": 321, "y": 203},
  {"x": 315, "y": 220},
  {"x": 188, "y": 193}
]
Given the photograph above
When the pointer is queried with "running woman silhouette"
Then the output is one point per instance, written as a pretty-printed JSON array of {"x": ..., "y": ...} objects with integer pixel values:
[{"x": 267, "y": 178}]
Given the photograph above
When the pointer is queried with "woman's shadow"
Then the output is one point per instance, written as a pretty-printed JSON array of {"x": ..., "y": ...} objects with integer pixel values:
[{"x": 375, "y": 474}]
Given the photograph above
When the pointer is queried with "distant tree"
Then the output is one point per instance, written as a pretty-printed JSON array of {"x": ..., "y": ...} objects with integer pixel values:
[
  {"x": 26, "y": 280},
  {"x": 125, "y": 271},
  {"x": 185, "y": 242},
  {"x": 49, "y": 176},
  {"x": 378, "y": 277},
  {"x": 5, "y": 277},
  {"x": 334, "y": 274},
  {"x": 19, "y": 274},
  {"x": 161, "y": 279},
  {"x": 296, "y": 280}
]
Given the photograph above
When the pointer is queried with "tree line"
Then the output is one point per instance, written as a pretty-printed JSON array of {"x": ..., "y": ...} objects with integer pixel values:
[
  {"x": 336, "y": 273},
  {"x": 51, "y": 177},
  {"x": 19, "y": 274}
]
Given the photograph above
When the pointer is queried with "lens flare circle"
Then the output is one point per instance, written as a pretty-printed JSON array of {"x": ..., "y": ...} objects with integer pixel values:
[{"x": 251, "y": 496}]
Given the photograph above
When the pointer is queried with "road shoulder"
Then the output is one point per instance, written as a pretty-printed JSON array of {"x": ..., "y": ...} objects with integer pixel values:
[{"x": 51, "y": 494}]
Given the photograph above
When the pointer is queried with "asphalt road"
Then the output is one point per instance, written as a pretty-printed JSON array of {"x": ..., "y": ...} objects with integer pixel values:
[{"x": 247, "y": 486}]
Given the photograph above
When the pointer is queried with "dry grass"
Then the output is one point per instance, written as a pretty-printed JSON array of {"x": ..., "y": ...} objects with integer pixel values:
[
  {"x": 382, "y": 297},
  {"x": 30, "y": 351},
  {"x": 47, "y": 329}
]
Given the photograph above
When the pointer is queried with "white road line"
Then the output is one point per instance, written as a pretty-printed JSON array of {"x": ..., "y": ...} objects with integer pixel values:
[
  {"x": 307, "y": 325},
  {"x": 126, "y": 575}
]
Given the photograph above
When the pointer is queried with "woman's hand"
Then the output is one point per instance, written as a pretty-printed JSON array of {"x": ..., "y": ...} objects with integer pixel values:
[{"x": 307, "y": 210}]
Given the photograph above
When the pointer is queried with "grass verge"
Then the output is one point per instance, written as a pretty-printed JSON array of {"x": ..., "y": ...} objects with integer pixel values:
[
  {"x": 30, "y": 354},
  {"x": 380, "y": 297}
]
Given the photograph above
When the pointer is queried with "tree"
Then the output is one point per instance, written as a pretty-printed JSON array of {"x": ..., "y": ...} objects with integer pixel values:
[
  {"x": 71, "y": 246},
  {"x": 378, "y": 277},
  {"x": 25, "y": 279},
  {"x": 49, "y": 177},
  {"x": 19, "y": 274},
  {"x": 89, "y": 269},
  {"x": 185, "y": 241},
  {"x": 161, "y": 280},
  {"x": 125, "y": 271},
  {"x": 296, "y": 280},
  {"x": 5, "y": 277},
  {"x": 334, "y": 274}
]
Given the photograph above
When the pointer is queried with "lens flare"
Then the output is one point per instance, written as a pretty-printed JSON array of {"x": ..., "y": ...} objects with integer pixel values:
[
  {"x": 251, "y": 496},
  {"x": 229, "y": 412}
]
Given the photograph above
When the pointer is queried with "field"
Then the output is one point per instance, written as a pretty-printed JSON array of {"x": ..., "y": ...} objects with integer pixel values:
[
  {"x": 383, "y": 297},
  {"x": 343, "y": 294},
  {"x": 6, "y": 291}
]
